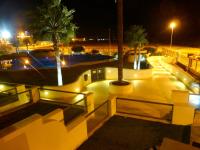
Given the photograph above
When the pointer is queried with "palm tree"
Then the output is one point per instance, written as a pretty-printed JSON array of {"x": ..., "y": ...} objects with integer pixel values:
[
  {"x": 15, "y": 43},
  {"x": 53, "y": 21},
  {"x": 120, "y": 39},
  {"x": 136, "y": 38},
  {"x": 26, "y": 42}
]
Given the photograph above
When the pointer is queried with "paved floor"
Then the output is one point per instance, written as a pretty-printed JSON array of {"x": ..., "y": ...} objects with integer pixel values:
[{"x": 158, "y": 88}]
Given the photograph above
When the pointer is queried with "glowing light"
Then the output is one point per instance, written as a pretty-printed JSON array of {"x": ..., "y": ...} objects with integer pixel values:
[
  {"x": 6, "y": 34},
  {"x": 21, "y": 35},
  {"x": 184, "y": 79},
  {"x": 26, "y": 61},
  {"x": 109, "y": 71},
  {"x": 79, "y": 97},
  {"x": 46, "y": 93},
  {"x": 88, "y": 75},
  {"x": 1, "y": 87},
  {"x": 172, "y": 25},
  {"x": 77, "y": 89},
  {"x": 63, "y": 62},
  {"x": 25, "y": 67}
]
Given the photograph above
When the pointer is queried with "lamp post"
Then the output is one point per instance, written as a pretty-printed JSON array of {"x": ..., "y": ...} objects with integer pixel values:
[{"x": 172, "y": 25}]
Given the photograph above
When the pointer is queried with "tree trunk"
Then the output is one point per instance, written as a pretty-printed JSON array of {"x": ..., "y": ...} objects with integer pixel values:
[
  {"x": 139, "y": 53},
  {"x": 120, "y": 39},
  {"x": 135, "y": 58},
  {"x": 27, "y": 48},
  {"x": 58, "y": 63}
]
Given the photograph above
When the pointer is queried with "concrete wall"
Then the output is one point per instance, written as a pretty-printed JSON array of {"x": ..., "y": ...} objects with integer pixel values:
[
  {"x": 129, "y": 74},
  {"x": 183, "y": 111},
  {"x": 43, "y": 133},
  {"x": 186, "y": 78},
  {"x": 50, "y": 133},
  {"x": 76, "y": 86}
]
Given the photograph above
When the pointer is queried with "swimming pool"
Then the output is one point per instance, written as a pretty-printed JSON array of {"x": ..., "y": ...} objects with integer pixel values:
[{"x": 31, "y": 62}]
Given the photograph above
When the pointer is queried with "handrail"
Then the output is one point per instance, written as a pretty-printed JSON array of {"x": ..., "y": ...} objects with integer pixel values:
[
  {"x": 62, "y": 91},
  {"x": 79, "y": 101},
  {"x": 143, "y": 101},
  {"x": 8, "y": 90},
  {"x": 9, "y": 83},
  {"x": 96, "y": 108},
  {"x": 23, "y": 92},
  {"x": 16, "y": 94},
  {"x": 17, "y": 107},
  {"x": 194, "y": 94}
]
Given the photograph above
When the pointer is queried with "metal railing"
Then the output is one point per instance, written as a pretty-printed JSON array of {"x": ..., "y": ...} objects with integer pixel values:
[
  {"x": 61, "y": 96},
  {"x": 14, "y": 101},
  {"x": 8, "y": 92},
  {"x": 97, "y": 116},
  {"x": 73, "y": 103},
  {"x": 147, "y": 109}
]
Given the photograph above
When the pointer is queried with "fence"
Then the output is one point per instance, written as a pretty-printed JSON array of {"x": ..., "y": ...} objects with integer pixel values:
[
  {"x": 147, "y": 109},
  {"x": 97, "y": 116}
]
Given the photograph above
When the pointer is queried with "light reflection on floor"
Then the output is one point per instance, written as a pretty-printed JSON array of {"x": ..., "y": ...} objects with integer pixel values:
[{"x": 158, "y": 88}]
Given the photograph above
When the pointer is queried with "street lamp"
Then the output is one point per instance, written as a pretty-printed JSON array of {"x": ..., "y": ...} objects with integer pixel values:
[
  {"x": 5, "y": 35},
  {"x": 172, "y": 25}
]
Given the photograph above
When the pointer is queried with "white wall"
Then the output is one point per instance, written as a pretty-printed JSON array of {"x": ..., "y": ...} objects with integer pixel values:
[
  {"x": 76, "y": 86},
  {"x": 128, "y": 74}
]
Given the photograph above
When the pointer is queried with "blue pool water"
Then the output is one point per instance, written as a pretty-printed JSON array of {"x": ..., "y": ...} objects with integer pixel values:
[{"x": 50, "y": 62}]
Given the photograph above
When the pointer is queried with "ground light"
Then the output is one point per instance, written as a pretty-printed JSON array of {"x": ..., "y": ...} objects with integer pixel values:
[
  {"x": 25, "y": 67},
  {"x": 26, "y": 61},
  {"x": 63, "y": 62},
  {"x": 1, "y": 87},
  {"x": 77, "y": 89},
  {"x": 46, "y": 93}
]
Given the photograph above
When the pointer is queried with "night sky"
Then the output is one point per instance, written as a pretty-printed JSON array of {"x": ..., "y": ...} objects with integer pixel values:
[{"x": 95, "y": 17}]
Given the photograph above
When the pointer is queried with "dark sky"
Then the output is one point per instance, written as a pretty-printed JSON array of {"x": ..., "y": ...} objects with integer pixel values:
[{"x": 95, "y": 17}]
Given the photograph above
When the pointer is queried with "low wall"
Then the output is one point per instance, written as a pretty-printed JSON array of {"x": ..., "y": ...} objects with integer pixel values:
[
  {"x": 186, "y": 78},
  {"x": 110, "y": 74},
  {"x": 43, "y": 133},
  {"x": 128, "y": 74},
  {"x": 50, "y": 133},
  {"x": 76, "y": 86}
]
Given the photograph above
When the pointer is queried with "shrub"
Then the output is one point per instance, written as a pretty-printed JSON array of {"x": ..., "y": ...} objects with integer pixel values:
[
  {"x": 78, "y": 49},
  {"x": 95, "y": 51}
]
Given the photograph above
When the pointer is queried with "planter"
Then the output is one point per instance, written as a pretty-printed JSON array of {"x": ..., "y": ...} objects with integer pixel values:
[{"x": 123, "y": 88}]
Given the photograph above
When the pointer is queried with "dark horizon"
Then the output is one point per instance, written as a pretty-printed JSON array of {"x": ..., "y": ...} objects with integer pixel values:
[{"x": 95, "y": 18}]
